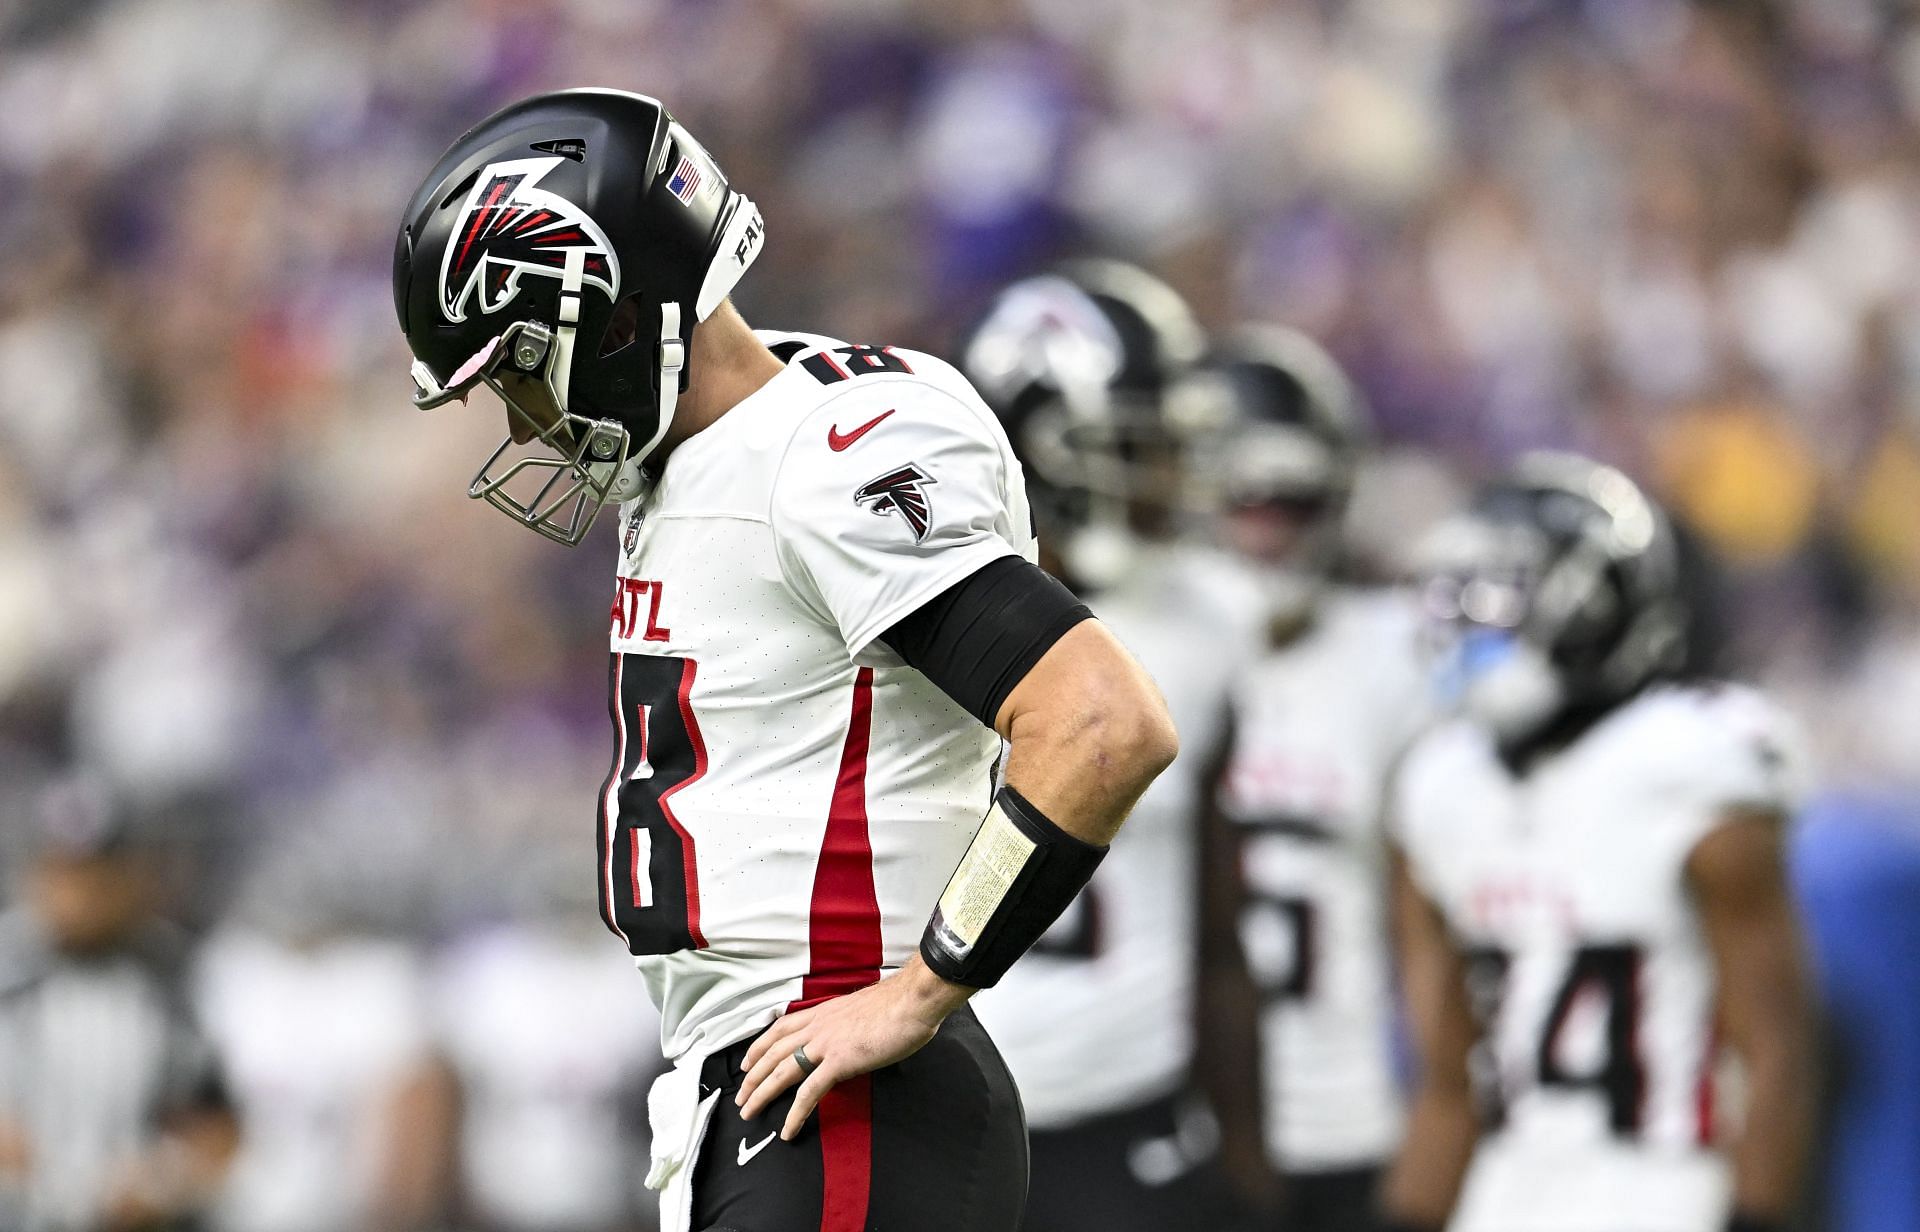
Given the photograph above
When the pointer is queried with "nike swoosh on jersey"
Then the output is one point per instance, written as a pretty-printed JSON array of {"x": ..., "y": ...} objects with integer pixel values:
[
  {"x": 746, "y": 1154},
  {"x": 837, "y": 440}
]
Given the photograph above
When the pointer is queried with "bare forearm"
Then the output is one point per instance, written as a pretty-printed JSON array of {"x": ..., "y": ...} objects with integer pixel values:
[
  {"x": 1763, "y": 1004},
  {"x": 1082, "y": 787},
  {"x": 421, "y": 1122},
  {"x": 1228, "y": 1071},
  {"x": 1443, "y": 1124},
  {"x": 209, "y": 1142},
  {"x": 1769, "y": 1160},
  {"x": 1425, "y": 1180},
  {"x": 1088, "y": 732}
]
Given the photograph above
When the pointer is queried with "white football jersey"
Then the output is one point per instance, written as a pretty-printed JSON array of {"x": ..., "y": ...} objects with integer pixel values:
[
  {"x": 787, "y": 799},
  {"x": 1113, "y": 979},
  {"x": 1587, "y": 966},
  {"x": 1317, "y": 726}
]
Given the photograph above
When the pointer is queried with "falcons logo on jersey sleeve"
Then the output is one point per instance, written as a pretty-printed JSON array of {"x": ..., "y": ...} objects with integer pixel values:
[
  {"x": 901, "y": 490},
  {"x": 510, "y": 227}
]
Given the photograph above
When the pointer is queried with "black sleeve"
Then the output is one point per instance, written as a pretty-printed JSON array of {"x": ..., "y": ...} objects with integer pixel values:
[{"x": 979, "y": 638}]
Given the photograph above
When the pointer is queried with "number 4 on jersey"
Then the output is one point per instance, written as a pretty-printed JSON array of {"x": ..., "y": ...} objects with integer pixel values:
[
  {"x": 1600, "y": 981},
  {"x": 1605, "y": 977}
]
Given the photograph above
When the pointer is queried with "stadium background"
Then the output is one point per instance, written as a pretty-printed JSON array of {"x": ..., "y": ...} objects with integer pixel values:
[{"x": 240, "y": 582}]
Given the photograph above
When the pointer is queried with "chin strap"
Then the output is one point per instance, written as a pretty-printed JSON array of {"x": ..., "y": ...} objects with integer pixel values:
[
  {"x": 673, "y": 359},
  {"x": 566, "y": 327}
]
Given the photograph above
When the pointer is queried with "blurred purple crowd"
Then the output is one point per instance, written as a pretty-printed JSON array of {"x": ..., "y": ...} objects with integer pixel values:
[{"x": 240, "y": 581}]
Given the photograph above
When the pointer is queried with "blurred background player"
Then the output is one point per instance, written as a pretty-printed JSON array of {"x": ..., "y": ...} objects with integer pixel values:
[
  {"x": 554, "y": 1044},
  {"x": 114, "y": 1116},
  {"x": 1299, "y": 870},
  {"x": 319, "y": 1007},
  {"x": 1084, "y": 367},
  {"x": 1592, "y": 905}
]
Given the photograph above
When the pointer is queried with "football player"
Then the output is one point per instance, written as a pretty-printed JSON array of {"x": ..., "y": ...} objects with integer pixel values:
[
  {"x": 826, "y": 618},
  {"x": 553, "y": 1045},
  {"x": 1298, "y": 874},
  {"x": 1590, "y": 901},
  {"x": 1085, "y": 366}
]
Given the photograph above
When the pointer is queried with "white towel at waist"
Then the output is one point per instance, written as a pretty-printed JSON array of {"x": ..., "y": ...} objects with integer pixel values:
[{"x": 678, "y": 1116}]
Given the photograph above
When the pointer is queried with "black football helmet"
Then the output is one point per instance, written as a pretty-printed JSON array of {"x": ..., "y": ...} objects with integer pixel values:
[
  {"x": 1085, "y": 367},
  {"x": 574, "y": 239},
  {"x": 1558, "y": 591},
  {"x": 1295, "y": 437}
]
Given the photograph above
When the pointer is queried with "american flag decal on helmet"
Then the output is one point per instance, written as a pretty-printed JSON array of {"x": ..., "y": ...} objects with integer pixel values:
[
  {"x": 902, "y": 491},
  {"x": 685, "y": 180}
]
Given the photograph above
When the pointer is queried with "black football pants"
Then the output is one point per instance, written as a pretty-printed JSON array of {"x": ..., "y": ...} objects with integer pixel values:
[
  {"x": 1339, "y": 1201},
  {"x": 936, "y": 1143},
  {"x": 1129, "y": 1171}
]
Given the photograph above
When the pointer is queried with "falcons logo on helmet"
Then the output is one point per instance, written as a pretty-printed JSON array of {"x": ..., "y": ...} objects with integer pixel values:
[
  {"x": 509, "y": 227},
  {"x": 902, "y": 491}
]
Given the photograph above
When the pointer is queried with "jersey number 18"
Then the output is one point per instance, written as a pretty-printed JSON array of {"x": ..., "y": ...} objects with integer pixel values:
[{"x": 649, "y": 886}]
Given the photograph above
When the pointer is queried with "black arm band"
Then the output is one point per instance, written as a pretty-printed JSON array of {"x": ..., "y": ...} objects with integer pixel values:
[
  {"x": 1018, "y": 875},
  {"x": 979, "y": 638},
  {"x": 1741, "y": 1221}
]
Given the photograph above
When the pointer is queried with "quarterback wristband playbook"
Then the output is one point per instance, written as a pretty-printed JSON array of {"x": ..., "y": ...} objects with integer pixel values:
[{"x": 1017, "y": 876}]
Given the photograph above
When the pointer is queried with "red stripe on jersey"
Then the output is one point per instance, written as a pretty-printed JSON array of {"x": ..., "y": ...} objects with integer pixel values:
[
  {"x": 686, "y": 839},
  {"x": 846, "y": 1155},
  {"x": 638, "y": 876},
  {"x": 844, "y": 923},
  {"x": 1704, "y": 1095}
]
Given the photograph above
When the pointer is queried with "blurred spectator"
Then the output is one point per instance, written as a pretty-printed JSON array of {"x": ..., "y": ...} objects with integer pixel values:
[{"x": 113, "y": 1111}]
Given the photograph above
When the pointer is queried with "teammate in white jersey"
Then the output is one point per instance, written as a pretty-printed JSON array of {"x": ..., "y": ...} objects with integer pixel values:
[
  {"x": 1591, "y": 905},
  {"x": 826, "y": 620},
  {"x": 1317, "y": 724},
  {"x": 1083, "y": 364}
]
